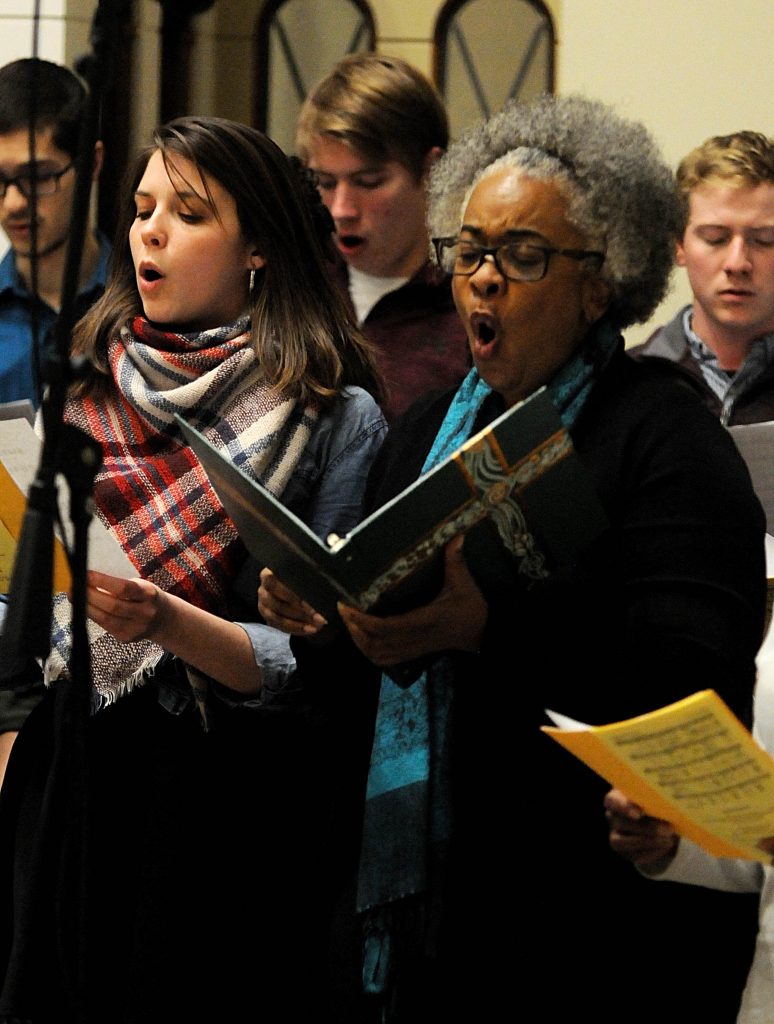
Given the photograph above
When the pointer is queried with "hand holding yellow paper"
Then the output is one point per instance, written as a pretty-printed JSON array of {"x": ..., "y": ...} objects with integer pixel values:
[{"x": 691, "y": 763}]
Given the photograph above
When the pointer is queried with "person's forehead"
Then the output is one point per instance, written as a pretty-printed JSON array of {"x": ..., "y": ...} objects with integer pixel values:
[
  {"x": 720, "y": 202},
  {"x": 16, "y": 151},
  {"x": 509, "y": 198},
  {"x": 328, "y": 155},
  {"x": 181, "y": 176}
]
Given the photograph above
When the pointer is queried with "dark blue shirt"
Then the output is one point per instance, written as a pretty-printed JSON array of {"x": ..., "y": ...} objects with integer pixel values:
[{"x": 17, "y": 305}]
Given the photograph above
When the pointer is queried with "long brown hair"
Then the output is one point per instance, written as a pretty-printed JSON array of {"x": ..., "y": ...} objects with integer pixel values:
[{"x": 304, "y": 335}]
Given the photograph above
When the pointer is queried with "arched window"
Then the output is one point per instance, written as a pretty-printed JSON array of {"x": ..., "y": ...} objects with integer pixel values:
[
  {"x": 297, "y": 42},
  {"x": 487, "y": 51}
]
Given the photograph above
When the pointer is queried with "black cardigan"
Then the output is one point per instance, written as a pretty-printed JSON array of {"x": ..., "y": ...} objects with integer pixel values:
[{"x": 670, "y": 600}]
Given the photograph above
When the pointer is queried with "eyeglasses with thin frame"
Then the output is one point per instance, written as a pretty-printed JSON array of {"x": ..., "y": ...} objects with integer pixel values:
[
  {"x": 45, "y": 184},
  {"x": 516, "y": 261}
]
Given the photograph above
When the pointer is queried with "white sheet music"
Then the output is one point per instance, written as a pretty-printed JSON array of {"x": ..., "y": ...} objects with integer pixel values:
[
  {"x": 20, "y": 409},
  {"x": 756, "y": 443},
  {"x": 20, "y": 454}
]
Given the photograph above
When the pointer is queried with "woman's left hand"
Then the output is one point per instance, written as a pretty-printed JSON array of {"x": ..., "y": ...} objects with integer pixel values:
[
  {"x": 127, "y": 609},
  {"x": 454, "y": 620},
  {"x": 281, "y": 608}
]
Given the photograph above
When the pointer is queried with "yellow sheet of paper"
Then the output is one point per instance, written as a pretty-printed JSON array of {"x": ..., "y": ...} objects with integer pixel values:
[
  {"x": 692, "y": 763},
  {"x": 12, "y": 507},
  {"x": 7, "y": 552}
]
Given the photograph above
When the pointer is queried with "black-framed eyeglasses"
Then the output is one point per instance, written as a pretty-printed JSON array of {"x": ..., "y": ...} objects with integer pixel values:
[
  {"x": 45, "y": 184},
  {"x": 517, "y": 261}
]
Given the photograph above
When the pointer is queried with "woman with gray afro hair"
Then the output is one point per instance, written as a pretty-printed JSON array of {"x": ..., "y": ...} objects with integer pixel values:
[
  {"x": 621, "y": 192},
  {"x": 485, "y": 872}
]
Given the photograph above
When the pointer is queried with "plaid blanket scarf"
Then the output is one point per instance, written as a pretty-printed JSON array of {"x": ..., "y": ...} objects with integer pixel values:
[{"x": 153, "y": 493}]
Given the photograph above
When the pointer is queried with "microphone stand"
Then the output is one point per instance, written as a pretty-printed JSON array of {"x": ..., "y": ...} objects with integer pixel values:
[
  {"x": 66, "y": 449},
  {"x": 69, "y": 452}
]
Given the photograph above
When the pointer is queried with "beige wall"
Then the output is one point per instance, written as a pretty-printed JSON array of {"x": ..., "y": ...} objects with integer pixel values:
[
  {"x": 404, "y": 28},
  {"x": 686, "y": 68},
  {"x": 62, "y": 34}
]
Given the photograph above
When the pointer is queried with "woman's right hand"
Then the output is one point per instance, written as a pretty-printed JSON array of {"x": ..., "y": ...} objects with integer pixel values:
[
  {"x": 130, "y": 610},
  {"x": 281, "y": 608},
  {"x": 645, "y": 841}
]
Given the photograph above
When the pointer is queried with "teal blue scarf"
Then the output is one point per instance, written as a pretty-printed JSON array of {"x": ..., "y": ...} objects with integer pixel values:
[{"x": 408, "y": 813}]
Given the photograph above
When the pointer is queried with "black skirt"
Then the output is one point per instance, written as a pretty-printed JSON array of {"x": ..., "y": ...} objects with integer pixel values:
[{"x": 151, "y": 871}]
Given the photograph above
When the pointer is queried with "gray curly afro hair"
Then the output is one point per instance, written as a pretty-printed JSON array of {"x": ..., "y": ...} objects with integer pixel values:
[{"x": 621, "y": 194}]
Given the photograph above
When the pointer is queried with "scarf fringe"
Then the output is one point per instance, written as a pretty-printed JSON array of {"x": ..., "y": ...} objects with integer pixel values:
[
  {"x": 153, "y": 494},
  {"x": 54, "y": 671}
]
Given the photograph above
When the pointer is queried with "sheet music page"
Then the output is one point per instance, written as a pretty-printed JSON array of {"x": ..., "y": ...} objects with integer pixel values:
[
  {"x": 755, "y": 441},
  {"x": 692, "y": 763},
  {"x": 21, "y": 409},
  {"x": 20, "y": 455}
]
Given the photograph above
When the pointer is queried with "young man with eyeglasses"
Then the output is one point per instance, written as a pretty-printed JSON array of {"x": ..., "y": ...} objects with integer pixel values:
[
  {"x": 37, "y": 189},
  {"x": 724, "y": 340},
  {"x": 371, "y": 130},
  {"x": 32, "y": 271}
]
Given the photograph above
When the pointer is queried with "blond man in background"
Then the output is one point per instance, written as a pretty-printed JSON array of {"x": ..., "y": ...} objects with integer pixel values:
[{"x": 724, "y": 340}]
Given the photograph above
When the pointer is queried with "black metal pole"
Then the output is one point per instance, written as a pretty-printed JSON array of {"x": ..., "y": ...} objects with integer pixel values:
[{"x": 63, "y": 822}]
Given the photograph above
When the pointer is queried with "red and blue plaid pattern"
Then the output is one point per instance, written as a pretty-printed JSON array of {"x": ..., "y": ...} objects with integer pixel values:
[{"x": 153, "y": 493}]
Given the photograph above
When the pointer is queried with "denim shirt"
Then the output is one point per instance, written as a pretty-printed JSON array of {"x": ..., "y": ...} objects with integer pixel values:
[{"x": 326, "y": 492}]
